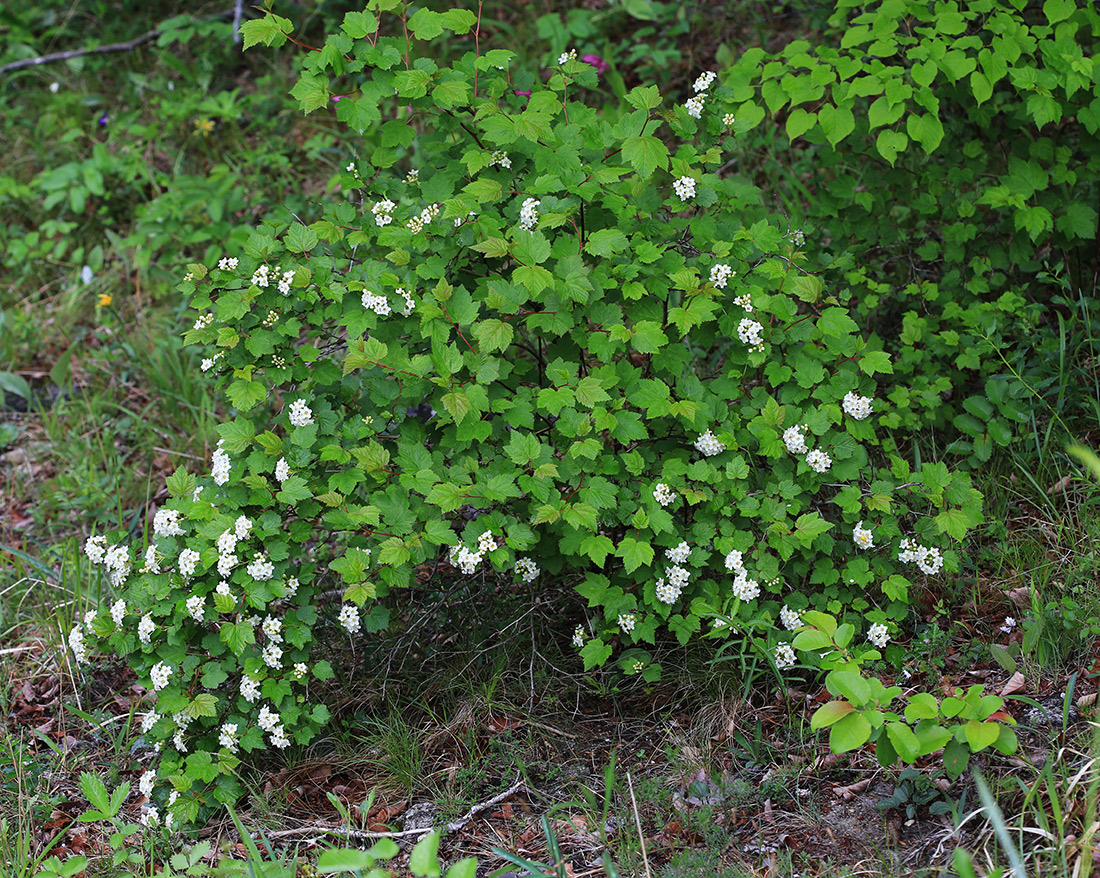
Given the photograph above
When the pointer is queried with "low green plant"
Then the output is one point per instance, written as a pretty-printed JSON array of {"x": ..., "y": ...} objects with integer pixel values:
[
  {"x": 913, "y": 792},
  {"x": 539, "y": 342},
  {"x": 959, "y": 724}
]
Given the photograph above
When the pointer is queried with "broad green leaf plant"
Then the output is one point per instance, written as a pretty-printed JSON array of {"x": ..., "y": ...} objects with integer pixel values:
[
  {"x": 538, "y": 335},
  {"x": 946, "y": 155}
]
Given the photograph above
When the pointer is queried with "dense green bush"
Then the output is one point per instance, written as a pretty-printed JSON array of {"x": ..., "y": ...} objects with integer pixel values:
[
  {"x": 946, "y": 156},
  {"x": 538, "y": 338}
]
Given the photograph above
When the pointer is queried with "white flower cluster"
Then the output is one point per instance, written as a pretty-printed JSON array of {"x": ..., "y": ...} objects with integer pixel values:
[
  {"x": 694, "y": 106},
  {"x": 529, "y": 214},
  {"x": 790, "y": 619},
  {"x": 220, "y": 465},
  {"x": 744, "y": 588},
  {"x": 703, "y": 82},
  {"x": 203, "y": 321},
  {"x": 927, "y": 558},
  {"x": 77, "y": 644},
  {"x": 282, "y": 470},
  {"x": 728, "y": 120},
  {"x": 285, "y": 281},
  {"x": 413, "y": 176},
  {"x": 626, "y": 622},
  {"x": 795, "y": 438},
  {"x": 679, "y": 554},
  {"x": 150, "y": 817},
  {"x": 571, "y": 55},
  {"x": 459, "y": 220},
  {"x": 878, "y": 635},
  {"x": 228, "y": 263},
  {"x": 349, "y": 618},
  {"x": 784, "y": 656},
  {"x": 672, "y": 585},
  {"x": 242, "y": 527},
  {"x": 260, "y": 568},
  {"x": 743, "y": 301},
  {"x": 145, "y": 629},
  {"x": 152, "y": 564},
  {"x": 261, "y": 277},
  {"x": 300, "y": 670},
  {"x": 1009, "y": 625},
  {"x": 500, "y": 157},
  {"x": 227, "y": 737},
  {"x": 301, "y": 415},
  {"x": 409, "y": 303},
  {"x": 188, "y": 562},
  {"x": 862, "y": 537},
  {"x": 578, "y": 636},
  {"x": 527, "y": 569},
  {"x": 684, "y": 188},
  {"x": 147, "y": 781},
  {"x": 467, "y": 561},
  {"x": 417, "y": 223},
  {"x": 273, "y": 629},
  {"x": 250, "y": 689},
  {"x": 383, "y": 212},
  {"x": 208, "y": 363},
  {"x": 118, "y": 612},
  {"x": 856, "y": 406},
  {"x": 663, "y": 494},
  {"x": 148, "y": 721},
  {"x": 167, "y": 523},
  {"x": 182, "y": 721},
  {"x": 272, "y": 723},
  {"x": 115, "y": 558},
  {"x": 380, "y": 305},
  {"x": 709, "y": 445},
  {"x": 292, "y": 584},
  {"x": 196, "y": 607},
  {"x": 735, "y": 562},
  {"x": 819, "y": 461},
  {"x": 159, "y": 675},
  {"x": 272, "y": 656},
  {"x": 749, "y": 331},
  {"x": 720, "y": 275}
]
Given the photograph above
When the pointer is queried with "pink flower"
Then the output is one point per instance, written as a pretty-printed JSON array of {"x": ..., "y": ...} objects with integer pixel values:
[
  {"x": 597, "y": 62},
  {"x": 522, "y": 94}
]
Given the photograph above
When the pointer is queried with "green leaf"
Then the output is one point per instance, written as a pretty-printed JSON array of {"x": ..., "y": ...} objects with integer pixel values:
[
  {"x": 850, "y": 684},
  {"x": 634, "y": 553},
  {"x": 812, "y": 640},
  {"x": 646, "y": 153},
  {"x": 493, "y": 335},
  {"x": 644, "y": 97},
  {"x": 95, "y": 791},
  {"x": 799, "y": 122},
  {"x": 836, "y": 322},
  {"x": 921, "y": 705},
  {"x": 981, "y": 734},
  {"x": 836, "y": 122},
  {"x": 597, "y": 547},
  {"x": 1058, "y": 10},
  {"x": 204, "y": 704},
  {"x": 904, "y": 741},
  {"x": 359, "y": 24},
  {"x": 595, "y": 653},
  {"x": 809, "y": 527},
  {"x": 464, "y": 868},
  {"x": 271, "y": 30},
  {"x": 829, "y": 713},
  {"x": 300, "y": 239},
  {"x": 890, "y": 143},
  {"x": 606, "y": 242},
  {"x": 927, "y": 130},
  {"x": 849, "y": 733},
  {"x": 424, "y": 860},
  {"x": 294, "y": 490},
  {"x": 956, "y": 756},
  {"x": 875, "y": 361},
  {"x": 311, "y": 92},
  {"x": 425, "y": 24},
  {"x": 246, "y": 395},
  {"x": 181, "y": 483}
]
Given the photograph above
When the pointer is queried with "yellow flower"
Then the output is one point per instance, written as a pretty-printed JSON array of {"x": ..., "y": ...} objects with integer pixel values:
[
  {"x": 204, "y": 126},
  {"x": 104, "y": 300}
]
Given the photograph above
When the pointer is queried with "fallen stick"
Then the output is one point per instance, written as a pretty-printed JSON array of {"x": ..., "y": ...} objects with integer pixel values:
[
  {"x": 348, "y": 832},
  {"x": 127, "y": 46}
]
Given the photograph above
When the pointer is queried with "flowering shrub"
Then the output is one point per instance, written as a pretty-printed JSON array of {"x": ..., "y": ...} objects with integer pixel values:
[{"x": 524, "y": 345}]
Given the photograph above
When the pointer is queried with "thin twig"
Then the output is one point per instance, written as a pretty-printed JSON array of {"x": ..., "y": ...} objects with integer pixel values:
[
  {"x": 127, "y": 46},
  {"x": 453, "y": 826}
]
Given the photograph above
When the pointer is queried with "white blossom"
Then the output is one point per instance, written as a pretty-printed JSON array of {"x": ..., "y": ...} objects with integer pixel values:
[
  {"x": 703, "y": 82},
  {"x": 784, "y": 656},
  {"x": 527, "y": 569},
  {"x": 684, "y": 188},
  {"x": 663, "y": 494},
  {"x": 878, "y": 635},
  {"x": 529, "y": 214},
  {"x": 790, "y": 619},
  {"x": 300, "y": 414},
  {"x": 795, "y": 438},
  {"x": 709, "y": 445},
  {"x": 819, "y": 461},
  {"x": 862, "y": 536},
  {"x": 720, "y": 275}
]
